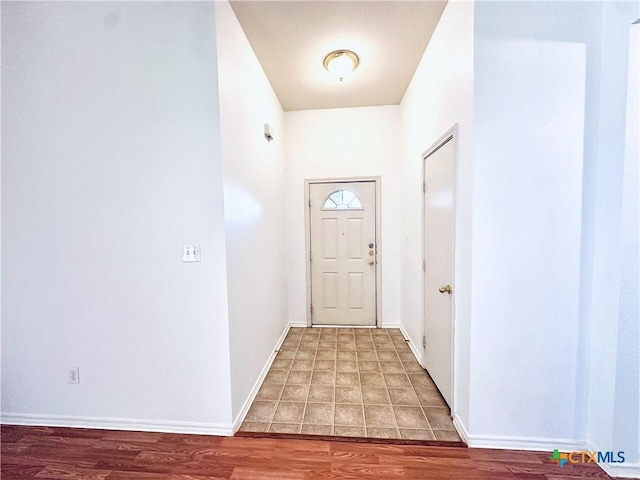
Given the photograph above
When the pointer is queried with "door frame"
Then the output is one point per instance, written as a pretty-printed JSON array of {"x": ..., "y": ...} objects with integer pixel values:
[
  {"x": 452, "y": 134},
  {"x": 307, "y": 230}
]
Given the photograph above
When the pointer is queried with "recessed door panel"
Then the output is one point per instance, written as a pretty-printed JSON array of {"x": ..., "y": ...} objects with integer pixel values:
[
  {"x": 330, "y": 238},
  {"x": 355, "y": 244},
  {"x": 330, "y": 288},
  {"x": 355, "y": 290}
]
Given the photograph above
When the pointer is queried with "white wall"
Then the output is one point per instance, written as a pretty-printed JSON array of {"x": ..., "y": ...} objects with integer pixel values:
[
  {"x": 550, "y": 99},
  {"x": 526, "y": 252},
  {"x": 627, "y": 400},
  {"x": 255, "y": 196},
  {"x": 111, "y": 160},
  {"x": 613, "y": 402},
  {"x": 529, "y": 120},
  {"x": 337, "y": 143},
  {"x": 439, "y": 96}
]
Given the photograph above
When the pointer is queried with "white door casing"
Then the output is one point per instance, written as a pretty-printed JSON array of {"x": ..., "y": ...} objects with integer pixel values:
[
  {"x": 439, "y": 224},
  {"x": 342, "y": 220}
]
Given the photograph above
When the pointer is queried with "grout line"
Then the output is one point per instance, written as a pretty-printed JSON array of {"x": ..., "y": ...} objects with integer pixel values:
[
  {"x": 364, "y": 415},
  {"x": 306, "y": 402},
  {"x": 335, "y": 379},
  {"x": 389, "y": 393},
  {"x": 413, "y": 389},
  {"x": 285, "y": 383}
]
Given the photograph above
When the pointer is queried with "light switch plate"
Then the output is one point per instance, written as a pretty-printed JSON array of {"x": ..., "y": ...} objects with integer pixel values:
[{"x": 191, "y": 252}]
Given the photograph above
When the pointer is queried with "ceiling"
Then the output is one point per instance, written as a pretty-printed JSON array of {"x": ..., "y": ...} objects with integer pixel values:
[{"x": 291, "y": 39}]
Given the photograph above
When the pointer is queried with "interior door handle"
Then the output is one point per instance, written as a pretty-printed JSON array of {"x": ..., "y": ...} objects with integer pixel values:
[{"x": 445, "y": 289}]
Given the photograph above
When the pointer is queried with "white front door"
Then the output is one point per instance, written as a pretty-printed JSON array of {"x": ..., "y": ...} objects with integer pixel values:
[
  {"x": 343, "y": 253},
  {"x": 439, "y": 165}
]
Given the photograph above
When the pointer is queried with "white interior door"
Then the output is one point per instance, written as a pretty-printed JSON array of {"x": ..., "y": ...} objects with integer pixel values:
[
  {"x": 437, "y": 357},
  {"x": 343, "y": 253}
]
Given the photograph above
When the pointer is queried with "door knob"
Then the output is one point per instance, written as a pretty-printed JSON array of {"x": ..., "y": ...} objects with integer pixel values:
[
  {"x": 371, "y": 262},
  {"x": 445, "y": 289},
  {"x": 371, "y": 245}
]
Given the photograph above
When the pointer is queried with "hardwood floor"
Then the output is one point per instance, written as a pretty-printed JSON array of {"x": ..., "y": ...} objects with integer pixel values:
[{"x": 66, "y": 453}]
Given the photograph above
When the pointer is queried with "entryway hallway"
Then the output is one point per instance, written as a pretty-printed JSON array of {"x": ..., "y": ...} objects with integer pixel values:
[{"x": 356, "y": 382}]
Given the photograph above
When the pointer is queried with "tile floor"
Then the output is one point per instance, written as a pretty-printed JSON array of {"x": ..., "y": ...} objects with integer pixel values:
[{"x": 349, "y": 382}]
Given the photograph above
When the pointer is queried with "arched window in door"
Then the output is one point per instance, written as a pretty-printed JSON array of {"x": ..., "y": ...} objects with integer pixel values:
[{"x": 342, "y": 200}]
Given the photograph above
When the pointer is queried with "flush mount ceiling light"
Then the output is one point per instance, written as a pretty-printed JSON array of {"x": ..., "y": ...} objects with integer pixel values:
[{"x": 341, "y": 63}]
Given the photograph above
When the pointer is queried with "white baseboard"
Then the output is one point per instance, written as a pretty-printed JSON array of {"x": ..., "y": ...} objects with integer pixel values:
[
  {"x": 256, "y": 386},
  {"x": 103, "y": 423},
  {"x": 625, "y": 470},
  {"x": 412, "y": 346},
  {"x": 390, "y": 325},
  {"x": 459, "y": 426},
  {"x": 524, "y": 443},
  {"x": 629, "y": 470},
  {"x": 298, "y": 324}
]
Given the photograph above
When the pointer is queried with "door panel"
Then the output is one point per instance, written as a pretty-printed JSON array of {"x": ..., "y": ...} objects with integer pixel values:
[
  {"x": 354, "y": 238},
  {"x": 330, "y": 243},
  {"x": 330, "y": 290},
  {"x": 438, "y": 247},
  {"x": 343, "y": 272},
  {"x": 355, "y": 281}
]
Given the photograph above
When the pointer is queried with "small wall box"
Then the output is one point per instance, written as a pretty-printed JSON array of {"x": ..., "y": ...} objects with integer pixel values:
[{"x": 268, "y": 132}]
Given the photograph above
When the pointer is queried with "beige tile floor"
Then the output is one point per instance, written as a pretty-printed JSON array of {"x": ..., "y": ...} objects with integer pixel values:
[{"x": 349, "y": 382}]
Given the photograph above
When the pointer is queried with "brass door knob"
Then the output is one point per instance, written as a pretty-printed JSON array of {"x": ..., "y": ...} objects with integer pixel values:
[
  {"x": 445, "y": 289},
  {"x": 371, "y": 262}
]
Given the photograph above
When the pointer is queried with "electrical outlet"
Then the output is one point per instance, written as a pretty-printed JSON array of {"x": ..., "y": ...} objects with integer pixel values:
[
  {"x": 191, "y": 253},
  {"x": 73, "y": 375}
]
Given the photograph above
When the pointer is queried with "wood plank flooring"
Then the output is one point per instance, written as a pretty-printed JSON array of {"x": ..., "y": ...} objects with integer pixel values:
[{"x": 69, "y": 453}]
